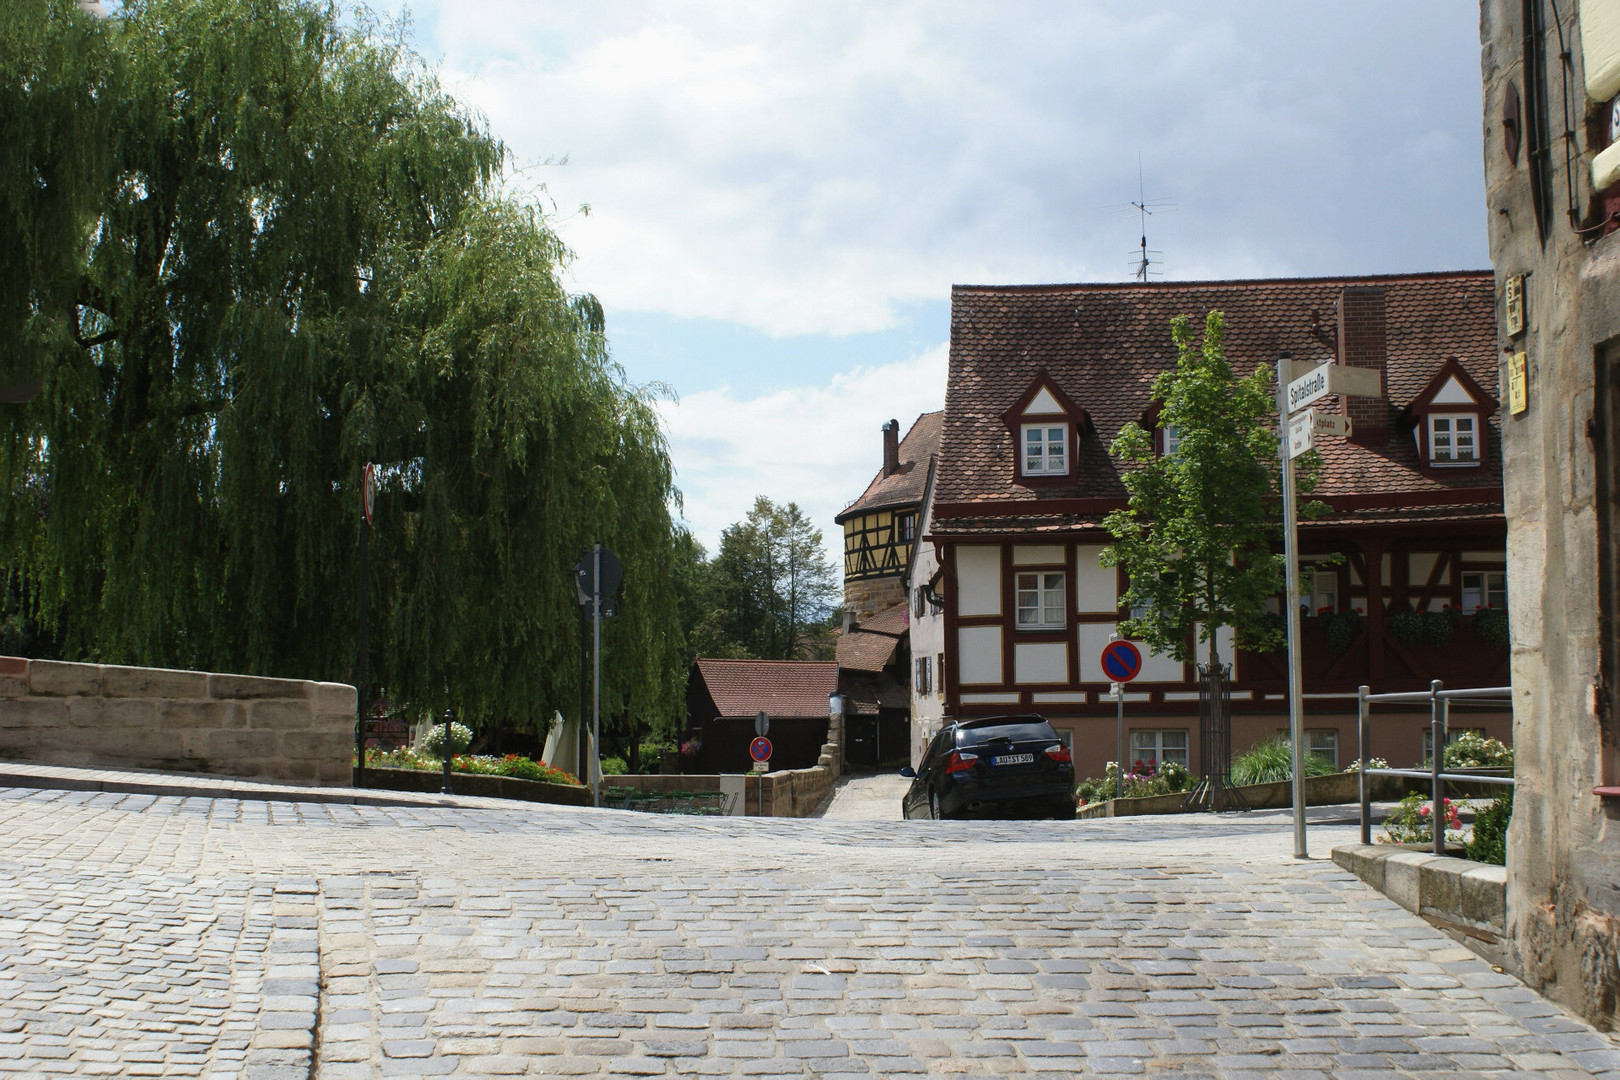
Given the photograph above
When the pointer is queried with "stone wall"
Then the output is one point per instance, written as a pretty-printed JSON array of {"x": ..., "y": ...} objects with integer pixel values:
[
  {"x": 1563, "y": 880},
  {"x": 183, "y": 721}
]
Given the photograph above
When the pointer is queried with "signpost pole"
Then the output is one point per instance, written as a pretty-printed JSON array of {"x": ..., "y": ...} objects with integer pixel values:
[
  {"x": 360, "y": 699},
  {"x": 1296, "y": 715},
  {"x": 596, "y": 680},
  {"x": 1119, "y": 740}
]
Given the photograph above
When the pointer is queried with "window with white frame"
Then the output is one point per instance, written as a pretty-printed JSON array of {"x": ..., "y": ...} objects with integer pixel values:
[
  {"x": 1171, "y": 440},
  {"x": 925, "y": 682},
  {"x": 1324, "y": 591},
  {"x": 1484, "y": 588},
  {"x": 1041, "y": 597},
  {"x": 1046, "y": 449},
  {"x": 919, "y": 601},
  {"x": 1323, "y": 743},
  {"x": 905, "y": 526},
  {"x": 939, "y": 674},
  {"x": 1453, "y": 438},
  {"x": 1158, "y": 748}
]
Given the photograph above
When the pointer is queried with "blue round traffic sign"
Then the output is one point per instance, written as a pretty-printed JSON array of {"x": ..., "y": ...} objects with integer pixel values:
[
  {"x": 1121, "y": 661},
  {"x": 760, "y": 749}
]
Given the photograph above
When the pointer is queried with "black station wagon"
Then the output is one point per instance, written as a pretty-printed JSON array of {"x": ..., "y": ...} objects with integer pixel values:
[{"x": 1007, "y": 766}]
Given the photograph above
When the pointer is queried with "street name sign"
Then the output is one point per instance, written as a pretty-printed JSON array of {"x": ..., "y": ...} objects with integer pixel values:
[
  {"x": 1303, "y": 429},
  {"x": 1328, "y": 379}
]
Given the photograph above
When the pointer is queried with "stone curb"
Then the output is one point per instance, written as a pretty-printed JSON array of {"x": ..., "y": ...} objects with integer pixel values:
[
  {"x": 64, "y": 779},
  {"x": 1466, "y": 899}
]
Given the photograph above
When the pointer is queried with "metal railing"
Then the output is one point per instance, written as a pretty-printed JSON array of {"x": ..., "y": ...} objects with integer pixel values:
[{"x": 1439, "y": 700}]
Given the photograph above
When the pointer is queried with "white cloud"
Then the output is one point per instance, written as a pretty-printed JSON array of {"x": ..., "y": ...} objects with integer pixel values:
[
  {"x": 812, "y": 167},
  {"x": 817, "y": 446}
]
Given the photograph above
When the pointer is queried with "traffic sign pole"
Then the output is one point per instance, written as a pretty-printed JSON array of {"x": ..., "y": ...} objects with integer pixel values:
[{"x": 1296, "y": 716}]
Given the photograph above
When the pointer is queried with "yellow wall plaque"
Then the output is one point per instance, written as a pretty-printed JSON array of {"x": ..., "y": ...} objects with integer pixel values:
[
  {"x": 1515, "y": 305},
  {"x": 1518, "y": 383}
]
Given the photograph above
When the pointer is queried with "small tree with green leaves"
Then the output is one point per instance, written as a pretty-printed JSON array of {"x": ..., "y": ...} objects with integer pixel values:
[{"x": 1198, "y": 540}]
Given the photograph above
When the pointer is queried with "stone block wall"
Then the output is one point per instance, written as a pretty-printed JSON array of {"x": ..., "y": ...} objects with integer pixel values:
[
  {"x": 185, "y": 721},
  {"x": 1563, "y": 858}
]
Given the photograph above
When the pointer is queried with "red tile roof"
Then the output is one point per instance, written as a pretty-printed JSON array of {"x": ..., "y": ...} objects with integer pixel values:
[
  {"x": 870, "y": 645},
  {"x": 905, "y": 486},
  {"x": 779, "y": 687},
  {"x": 1104, "y": 344}
]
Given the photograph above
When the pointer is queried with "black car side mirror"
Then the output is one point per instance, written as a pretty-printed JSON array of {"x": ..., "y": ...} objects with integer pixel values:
[{"x": 908, "y": 772}]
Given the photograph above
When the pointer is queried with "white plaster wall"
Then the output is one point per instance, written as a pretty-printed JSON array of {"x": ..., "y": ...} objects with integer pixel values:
[
  {"x": 927, "y": 634},
  {"x": 1040, "y": 662},
  {"x": 978, "y": 579},
  {"x": 1096, "y": 587},
  {"x": 979, "y": 649},
  {"x": 1091, "y": 638},
  {"x": 1037, "y": 555}
]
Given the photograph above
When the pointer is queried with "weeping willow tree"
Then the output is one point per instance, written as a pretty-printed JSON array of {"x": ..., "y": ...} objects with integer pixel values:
[{"x": 251, "y": 245}]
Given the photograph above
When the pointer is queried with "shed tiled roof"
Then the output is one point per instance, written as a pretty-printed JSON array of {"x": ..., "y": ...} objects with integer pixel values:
[
  {"x": 870, "y": 645},
  {"x": 779, "y": 687},
  {"x": 905, "y": 486},
  {"x": 1104, "y": 345}
]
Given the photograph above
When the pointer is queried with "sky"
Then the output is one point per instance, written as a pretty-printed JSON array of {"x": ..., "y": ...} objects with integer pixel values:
[{"x": 772, "y": 201}]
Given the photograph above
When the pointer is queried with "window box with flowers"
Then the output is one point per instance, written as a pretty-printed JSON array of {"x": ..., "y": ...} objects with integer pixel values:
[{"x": 1341, "y": 627}]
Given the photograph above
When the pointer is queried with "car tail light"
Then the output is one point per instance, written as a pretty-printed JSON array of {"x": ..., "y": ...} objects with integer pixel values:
[
  {"x": 959, "y": 762},
  {"x": 1059, "y": 754}
]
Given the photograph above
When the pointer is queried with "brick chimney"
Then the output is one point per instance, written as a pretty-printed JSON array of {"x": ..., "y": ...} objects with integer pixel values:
[
  {"x": 891, "y": 440},
  {"x": 1362, "y": 344}
]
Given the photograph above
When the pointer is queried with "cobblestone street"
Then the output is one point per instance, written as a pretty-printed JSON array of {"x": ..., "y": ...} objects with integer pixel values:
[{"x": 143, "y": 935}]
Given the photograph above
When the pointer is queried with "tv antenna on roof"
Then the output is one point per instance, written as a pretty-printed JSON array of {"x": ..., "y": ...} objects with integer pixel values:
[{"x": 1145, "y": 208}]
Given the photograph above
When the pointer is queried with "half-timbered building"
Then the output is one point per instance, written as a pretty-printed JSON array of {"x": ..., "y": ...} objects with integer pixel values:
[
  {"x": 1404, "y": 577},
  {"x": 880, "y": 527}
]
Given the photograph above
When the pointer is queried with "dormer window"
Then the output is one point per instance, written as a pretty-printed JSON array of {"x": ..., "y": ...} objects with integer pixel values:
[
  {"x": 1448, "y": 421},
  {"x": 1046, "y": 427},
  {"x": 1046, "y": 449},
  {"x": 1453, "y": 438}
]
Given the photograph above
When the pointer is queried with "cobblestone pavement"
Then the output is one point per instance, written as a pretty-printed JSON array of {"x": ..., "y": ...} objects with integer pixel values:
[
  {"x": 867, "y": 798},
  {"x": 143, "y": 935}
]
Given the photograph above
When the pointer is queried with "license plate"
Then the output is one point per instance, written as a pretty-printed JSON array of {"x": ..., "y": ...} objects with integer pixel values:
[{"x": 1014, "y": 759}]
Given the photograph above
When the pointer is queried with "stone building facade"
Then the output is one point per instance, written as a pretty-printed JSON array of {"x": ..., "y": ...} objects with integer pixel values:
[{"x": 1551, "y": 76}]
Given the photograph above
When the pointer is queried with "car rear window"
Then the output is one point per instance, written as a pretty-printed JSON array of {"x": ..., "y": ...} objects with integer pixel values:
[{"x": 1019, "y": 731}]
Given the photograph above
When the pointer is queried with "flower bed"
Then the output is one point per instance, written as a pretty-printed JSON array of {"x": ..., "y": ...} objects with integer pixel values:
[{"x": 513, "y": 765}]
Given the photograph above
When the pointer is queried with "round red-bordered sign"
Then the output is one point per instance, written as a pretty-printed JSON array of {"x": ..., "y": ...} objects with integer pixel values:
[
  {"x": 1121, "y": 661},
  {"x": 368, "y": 490},
  {"x": 760, "y": 749}
]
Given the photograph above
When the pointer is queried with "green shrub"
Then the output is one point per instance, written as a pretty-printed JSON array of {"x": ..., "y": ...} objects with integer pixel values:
[
  {"x": 1471, "y": 750},
  {"x": 433, "y": 741},
  {"x": 1489, "y": 842},
  {"x": 1342, "y": 628},
  {"x": 1272, "y": 760},
  {"x": 1142, "y": 781},
  {"x": 1409, "y": 822},
  {"x": 1491, "y": 626},
  {"x": 614, "y": 766}
]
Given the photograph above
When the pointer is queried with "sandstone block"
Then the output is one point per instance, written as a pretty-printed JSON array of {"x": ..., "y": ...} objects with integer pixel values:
[
  {"x": 253, "y": 686},
  {"x": 153, "y": 682},
  {"x": 33, "y": 713},
  {"x": 202, "y": 715},
  {"x": 1402, "y": 874},
  {"x": 57, "y": 679},
  {"x": 224, "y": 747},
  {"x": 331, "y": 698},
  {"x": 1483, "y": 892},
  {"x": 280, "y": 715},
  {"x": 120, "y": 715}
]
